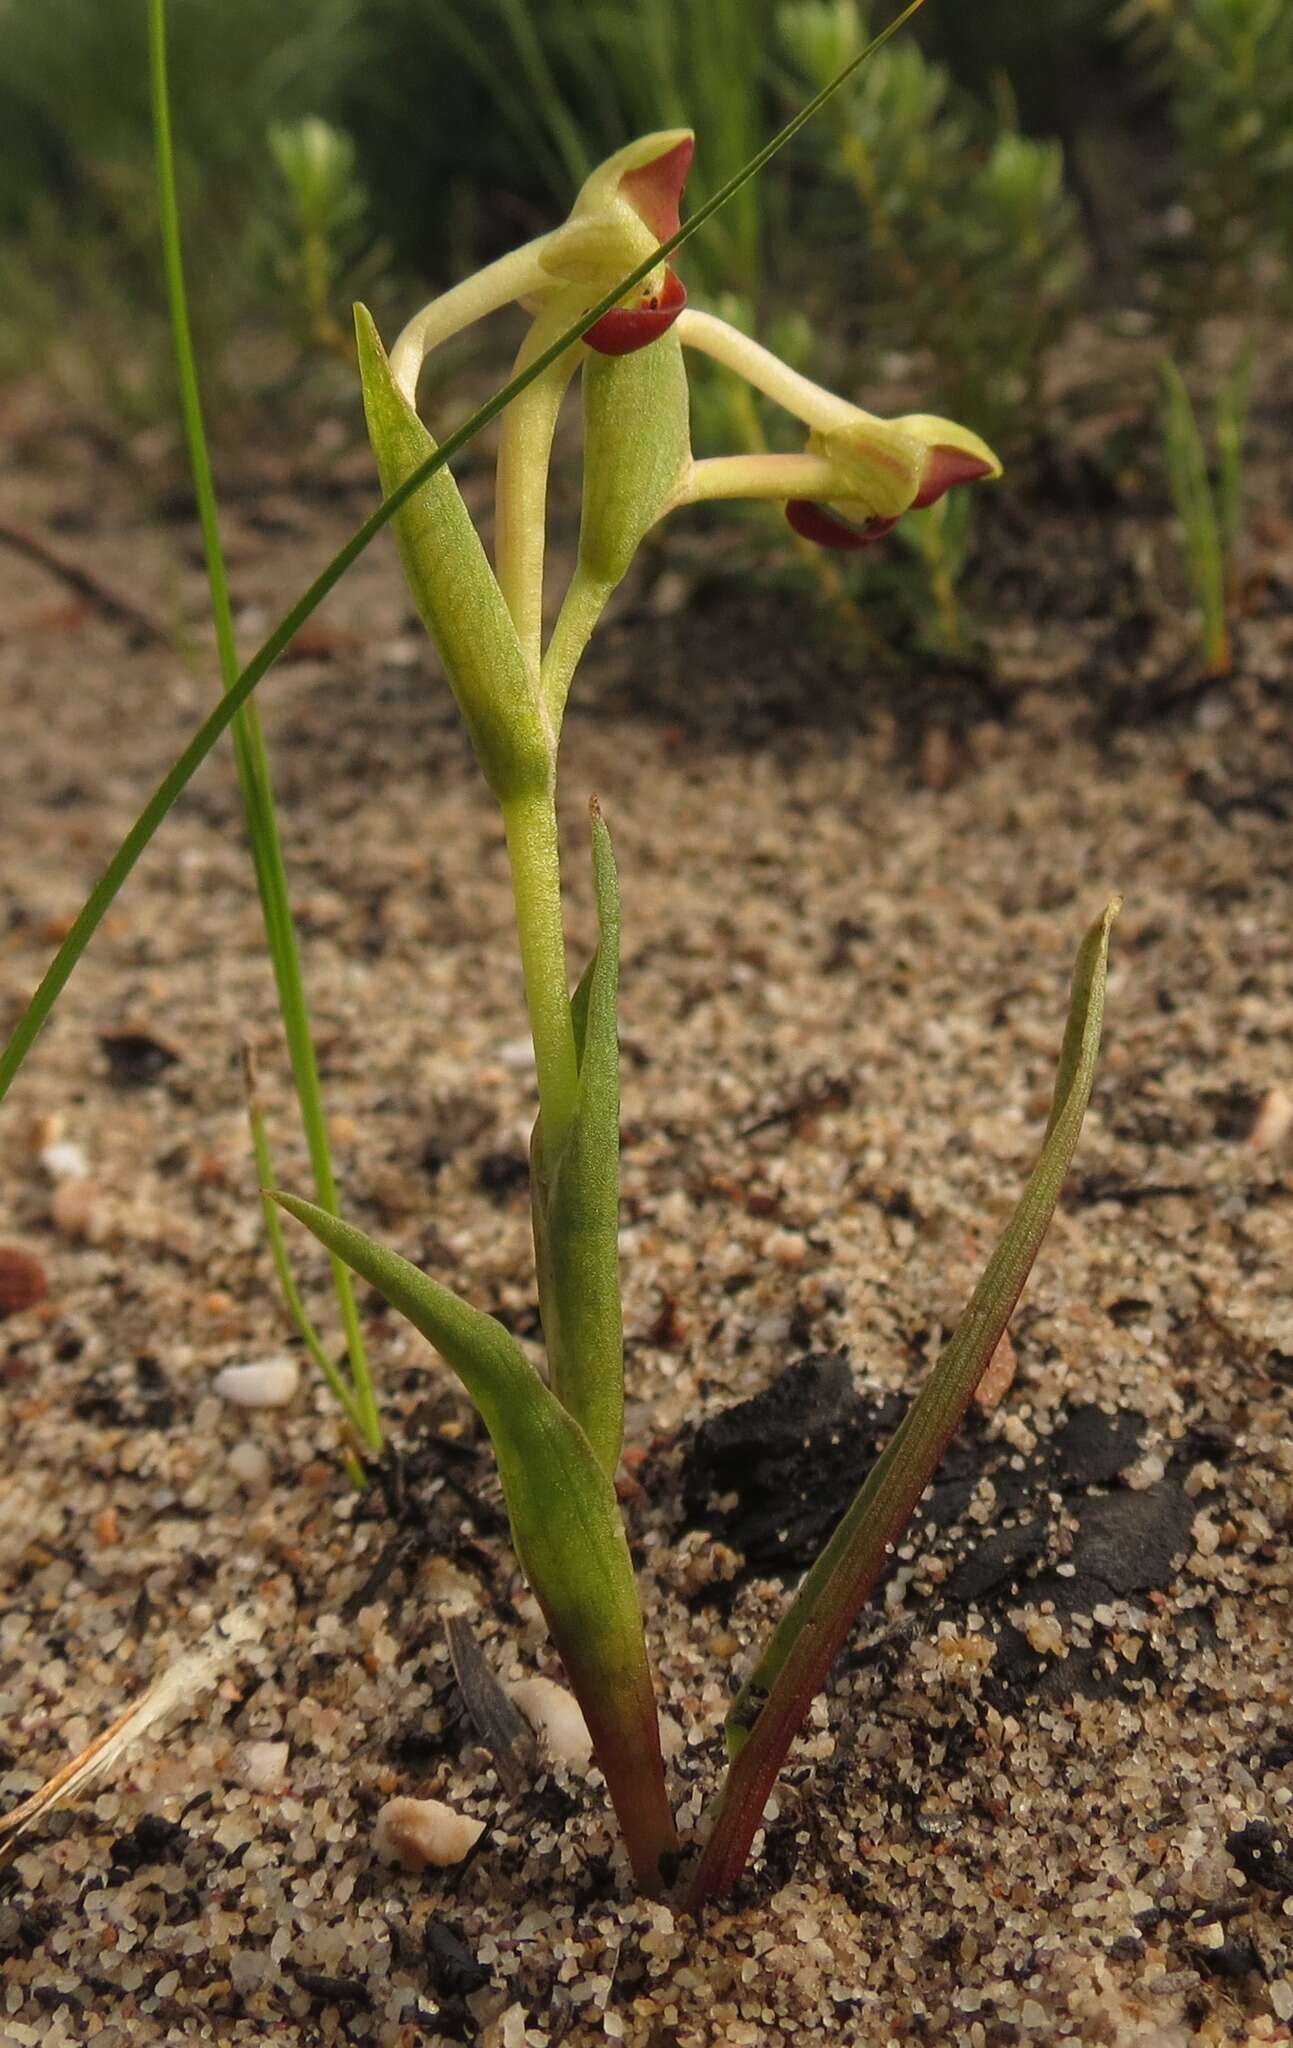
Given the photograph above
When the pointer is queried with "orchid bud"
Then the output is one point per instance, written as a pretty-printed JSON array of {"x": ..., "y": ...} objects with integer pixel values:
[{"x": 637, "y": 447}]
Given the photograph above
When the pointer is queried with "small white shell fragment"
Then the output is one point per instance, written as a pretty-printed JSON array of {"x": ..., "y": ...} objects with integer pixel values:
[
  {"x": 418, "y": 1832},
  {"x": 554, "y": 1715},
  {"x": 268, "y": 1383},
  {"x": 65, "y": 1160},
  {"x": 250, "y": 1464},
  {"x": 672, "y": 1737},
  {"x": 261, "y": 1766}
]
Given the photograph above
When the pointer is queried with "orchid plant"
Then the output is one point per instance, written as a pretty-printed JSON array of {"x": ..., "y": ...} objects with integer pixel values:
[{"x": 558, "y": 1439}]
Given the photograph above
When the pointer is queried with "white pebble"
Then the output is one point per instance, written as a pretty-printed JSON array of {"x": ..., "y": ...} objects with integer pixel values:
[
  {"x": 269, "y": 1383},
  {"x": 672, "y": 1738},
  {"x": 418, "y": 1832},
  {"x": 250, "y": 1464},
  {"x": 65, "y": 1160},
  {"x": 1282, "y": 1999},
  {"x": 248, "y": 1969},
  {"x": 261, "y": 1766},
  {"x": 554, "y": 1715}
]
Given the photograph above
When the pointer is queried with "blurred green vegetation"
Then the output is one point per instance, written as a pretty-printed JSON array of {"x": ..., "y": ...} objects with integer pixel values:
[{"x": 959, "y": 197}]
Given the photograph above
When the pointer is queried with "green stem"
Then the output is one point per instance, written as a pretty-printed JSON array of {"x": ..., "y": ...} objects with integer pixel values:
[
  {"x": 530, "y": 822},
  {"x": 248, "y": 735},
  {"x": 584, "y": 602},
  {"x": 521, "y": 490}
]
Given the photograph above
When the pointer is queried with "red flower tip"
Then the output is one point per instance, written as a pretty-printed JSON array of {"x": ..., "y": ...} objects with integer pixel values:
[
  {"x": 655, "y": 191},
  {"x": 818, "y": 523},
  {"x": 946, "y": 467},
  {"x": 626, "y": 328}
]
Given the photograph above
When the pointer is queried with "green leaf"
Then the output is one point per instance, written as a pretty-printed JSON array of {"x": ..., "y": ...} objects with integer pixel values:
[
  {"x": 770, "y": 1706},
  {"x": 454, "y": 588},
  {"x": 566, "y": 1527},
  {"x": 575, "y": 1197}
]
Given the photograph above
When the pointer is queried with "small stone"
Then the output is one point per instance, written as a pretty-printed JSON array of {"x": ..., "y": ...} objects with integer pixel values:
[
  {"x": 107, "y": 1528},
  {"x": 22, "y": 1281},
  {"x": 1274, "y": 1121},
  {"x": 1282, "y": 1999},
  {"x": 261, "y": 1766},
  {"x": 65, "y": 1160},
  {"x": 248, "y": 1969},
  {"x": 999, "y": 1376},
  {"x": 422, "y": 1832},
  {"x": 268, "y": 1383},
  {"x": 250, "y": 1464},
  {"x": 672, "y": 1736},
  {"x": 79, "y": 1210},
  {"x": 1044, "y": 1634},
  {"x": 555, "y": 1717}
]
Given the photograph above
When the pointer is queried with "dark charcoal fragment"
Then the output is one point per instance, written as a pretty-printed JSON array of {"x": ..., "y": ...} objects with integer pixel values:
[
  {"x": 335, "y": 1990},
  {"x": 151, "y": 1840},
  {"x": 503, "y": 1173},
  {"x": 1265, "y": 1856},
  {"x": 794, "y": 1455},
  {"x": 1132, "y": 1541},
  {"x": 1232, "y": 1960},
  {"x": 452, "y": 1969},
  {"x": 134, "y": 1058},
  {"x": 1092, "y": 1447},
  {"x": 999, "y": 1560}
]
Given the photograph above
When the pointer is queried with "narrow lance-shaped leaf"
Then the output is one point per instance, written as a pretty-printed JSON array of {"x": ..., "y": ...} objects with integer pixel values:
[
  {"x": 454, "y": 588},
  {"x": 566, "y": 1527},
  {"x": 575, "y": 1198},
  {"x": 770, "y": 1706}
]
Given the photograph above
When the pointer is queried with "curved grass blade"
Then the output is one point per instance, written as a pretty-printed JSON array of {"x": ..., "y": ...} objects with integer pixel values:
[
  {"x": 566, "y": 1527},
  {"x": 770, "y": 1707},
  {"x": 252, "y": 757},
  {"x": 173, "y": 784}
]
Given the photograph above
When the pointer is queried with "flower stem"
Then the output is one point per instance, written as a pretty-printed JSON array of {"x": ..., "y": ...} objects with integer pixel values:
[{"x": 530, "y": 822}]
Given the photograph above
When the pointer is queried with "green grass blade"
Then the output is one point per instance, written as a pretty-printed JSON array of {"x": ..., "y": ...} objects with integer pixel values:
[
  {"x": 770, "y": 1706},
  {"x": 296, "y": 1308},
  {"x": 178, "y": 777},
  {"x": 248, "y": 736},
  {"x": 1232, "y": 425}
]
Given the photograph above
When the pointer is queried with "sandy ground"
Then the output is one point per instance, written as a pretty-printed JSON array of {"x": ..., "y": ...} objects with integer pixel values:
[{"x": 1047, "y": 1797}]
